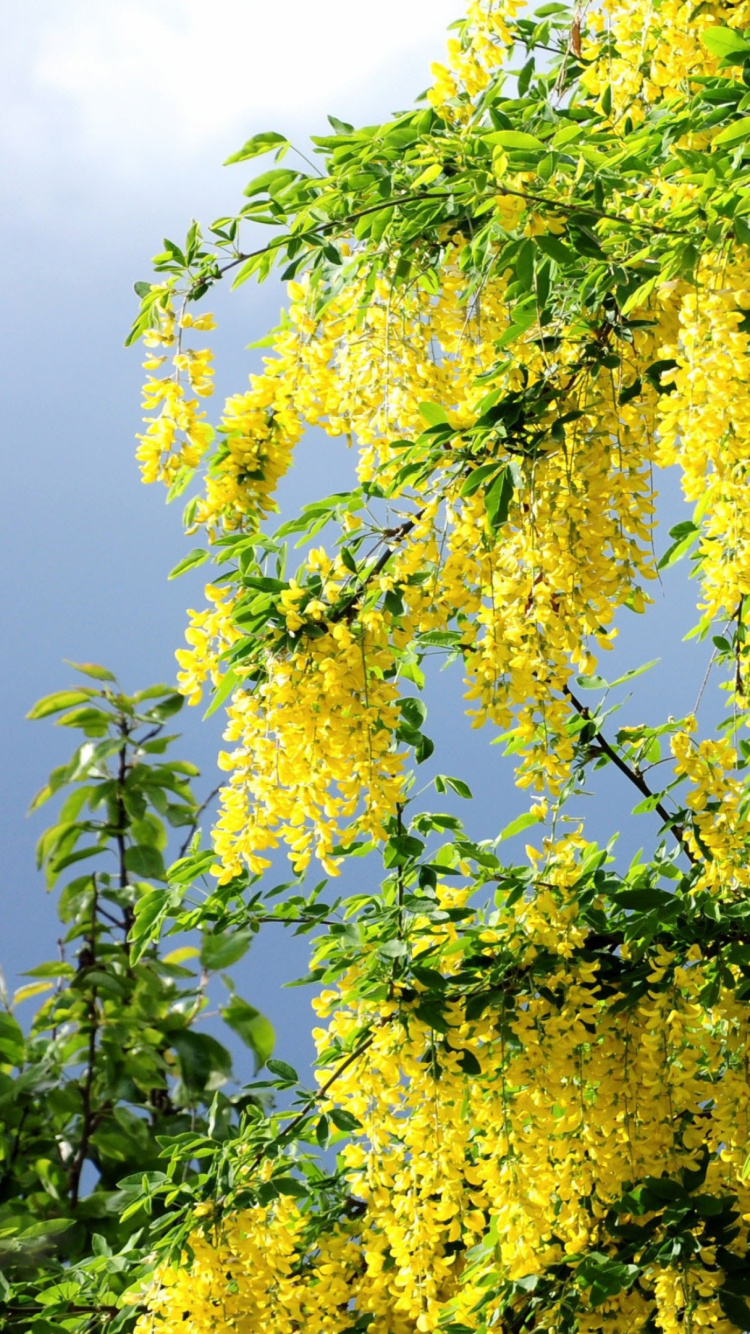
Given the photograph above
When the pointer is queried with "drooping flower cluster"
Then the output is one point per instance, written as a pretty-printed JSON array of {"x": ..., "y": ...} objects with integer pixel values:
[{"x": 315, "y": 762}]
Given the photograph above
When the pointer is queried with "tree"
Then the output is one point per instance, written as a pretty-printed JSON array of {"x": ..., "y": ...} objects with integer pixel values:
[
  {"x": 114, "y": 1067},
  {"x": 520, "y": 302}
]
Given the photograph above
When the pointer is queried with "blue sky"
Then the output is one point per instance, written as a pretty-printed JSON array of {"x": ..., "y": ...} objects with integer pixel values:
[{"x": 115, "y": 120}]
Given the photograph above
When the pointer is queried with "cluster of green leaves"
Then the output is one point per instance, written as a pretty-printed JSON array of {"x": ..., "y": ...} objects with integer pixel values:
[
  {"x": 114, "y": 1067},
  {"x": 399, "y": 189}
]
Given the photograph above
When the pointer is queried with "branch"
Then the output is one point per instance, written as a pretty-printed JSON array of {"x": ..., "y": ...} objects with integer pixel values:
[
  {"x": 739, "y": 685},
  {"x": 394, "y": 536},
  {"x": 87, "y": 1121},
  {"x": 633, "y": 775},
  {"x": 302, "y": 1116},
  {"x": 122, "y": 815},
  {"x": 351, "y": 218}
]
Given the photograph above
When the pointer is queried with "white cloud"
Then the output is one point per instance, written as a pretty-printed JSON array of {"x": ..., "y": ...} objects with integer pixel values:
[{"x": 187, "y": 73}]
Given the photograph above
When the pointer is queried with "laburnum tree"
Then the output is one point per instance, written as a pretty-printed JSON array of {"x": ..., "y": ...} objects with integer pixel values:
[{"x": 520, "y": 303}]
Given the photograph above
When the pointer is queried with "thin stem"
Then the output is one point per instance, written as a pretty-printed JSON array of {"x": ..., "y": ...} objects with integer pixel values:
[
  {"x": 122, "y": 815},
  {"x": 302, "y": 1116},
  {"x": 739, "y": 686},
  {"x": 633, "y": 775},
  {"x": 88, "y": 1082},
  {"x": 349, "y": 219},
  {"x": 394, "y": 535},
  {"x": 400, "y": 873}
]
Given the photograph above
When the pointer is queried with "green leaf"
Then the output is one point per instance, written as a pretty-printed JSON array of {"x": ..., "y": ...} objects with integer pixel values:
[
  {"x": 92, "y": 669},
  {"x": 283, "y": 1070},
  {"x": 497, "y": 499},
  {"x": 260, "y": 143},
  {"x": 228, "y": 684},
  {"x": 469, "y": 1063},
  {"x": 518, "y": 825},
  {"x": 61, "y": 699},
  {"x": 431, "y": 1013},
  {"x": 444, "y": 781},
  {"x": 517, "y": 139},
  {"x": 523, "y": 321},
  {"x": 413, "y": 711},
  {"x": 12, "y": 1044},
  {"x": 433, "y": 414},
  {"x": 344, "y": 1121},
  {"x": 290, "y": 1186},
  {"x": 604, "y": 1277},
  {"x": 424, "y": 747},
  {"x": 556, "y": 249},
  {"x": 57, "y": 779},
  {"x": 599, "y": 683},
  {"x": 56, "y": 968},
  {"x": 738, "y": 130},
  {"x": 149, "y": 909},
  {"x": 478, "y": 477},
  {"x": 594, "y": 682},
  {"x": 147, "y": 861},
  {"x": 734, "y": 1308},
  {"x": 725, "y": 42},
  {"x": 643, "y": 900},
  {"x": 641, "y": 294},
  {"x": 686, "y": 535},
  {"x": 270, "y": 181},
  {"x": 222, "y": 950},
  {"x": 201, "y": 1056},
  {"x": 194, "y": 558},
  {"x": 393, "y": 949},
  {"x": 255, "y": 1030}
]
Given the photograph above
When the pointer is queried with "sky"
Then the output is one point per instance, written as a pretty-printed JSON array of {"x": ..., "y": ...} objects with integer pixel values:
[{"x": 114, "y": 121}]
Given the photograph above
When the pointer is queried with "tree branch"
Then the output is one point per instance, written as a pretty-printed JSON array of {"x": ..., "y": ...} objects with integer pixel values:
[
  {"x": 602, "y": 215},
  {"x": 302, "y": 1116},
  {"x": 88, "y": 1082},
  {"x": 634, "y": 776}
]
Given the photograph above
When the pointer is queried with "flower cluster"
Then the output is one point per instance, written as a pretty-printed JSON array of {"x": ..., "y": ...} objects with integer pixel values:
[
  {"x": 178, "y": 435},
  {"x": 315, "y": 762}
]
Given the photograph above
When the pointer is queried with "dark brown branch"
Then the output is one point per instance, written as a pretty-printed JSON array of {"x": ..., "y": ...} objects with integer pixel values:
[
  {"x": 123, "y": 823},
  {"x": 302, "y": 1116},
  {"x": 739, "y": 685},
  {"x": 394, "y": 536},
  {"x": 87, "y": 1120},
  {"x": 634, "y": 776}
]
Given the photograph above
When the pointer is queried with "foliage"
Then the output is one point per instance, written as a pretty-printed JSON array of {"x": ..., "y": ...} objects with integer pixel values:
[
  {"x": 114, "y": 1068},
  {"x": 520, "y": 303}
]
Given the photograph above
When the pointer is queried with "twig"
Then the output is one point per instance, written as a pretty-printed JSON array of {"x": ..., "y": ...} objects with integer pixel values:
[
  {"x": 93, "y": 1017},
  {"x": 394, "y": 535},
  {"x": 122, "y": 816},
  {"x": 342, "y": 223},
  {"x": 302, "y": 1116},
  {"x": 739, "y": 687},
  {"x": 633, "y": 775}
]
